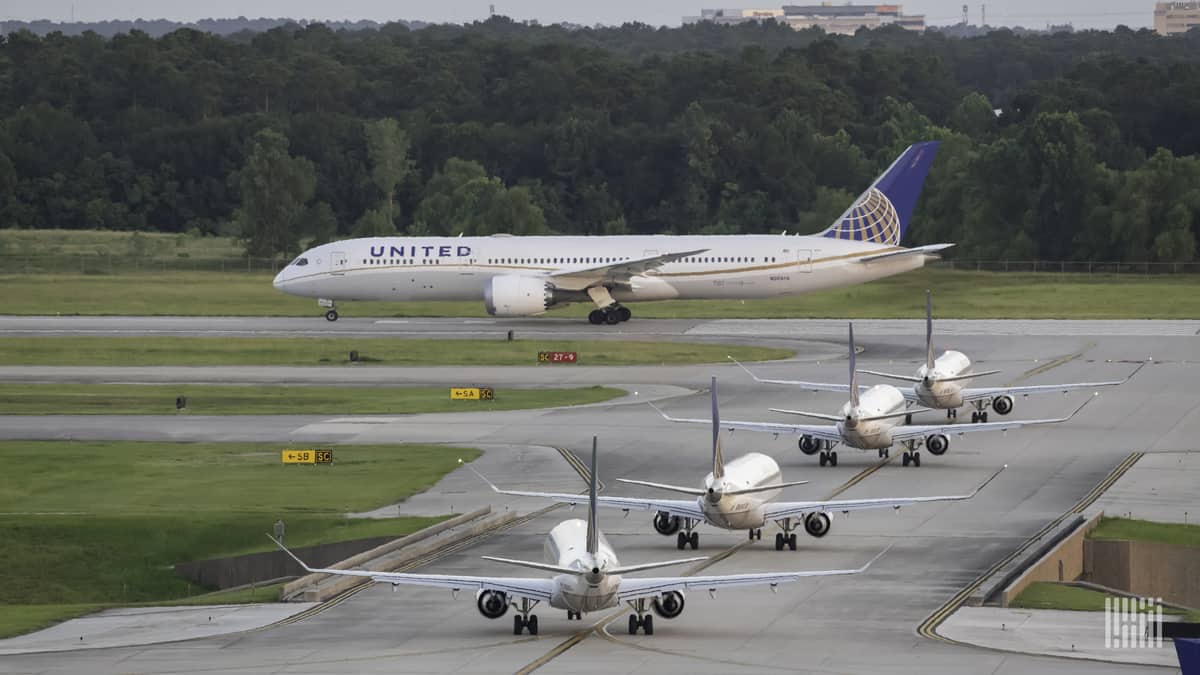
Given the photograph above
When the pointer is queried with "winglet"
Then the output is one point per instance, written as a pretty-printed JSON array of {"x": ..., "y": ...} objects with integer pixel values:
[
  {"x": 877, "y": 557},
  {"x": 290, "y": 554},
  {"x": 853, "y": 372},
  {"x": 743, "y": 367},
  {"x": 718, "y": 469},
  {"x": 990, "y": 479},
  {"x": 593, "y": 528},
  {"x": 928, "y": 331},
  {"x": 1082, "y": 405},
  {"x": 481, "y": 476}
]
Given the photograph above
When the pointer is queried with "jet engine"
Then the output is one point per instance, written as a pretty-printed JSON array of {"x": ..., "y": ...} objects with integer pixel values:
[
  {"x": 817, "y": 524},
  {"x": 669, "y": 605},
  {"x": 512, "y": 295},
  {"x": 666, "y": 524},
  {"x": 492, "y": 604},
  {"x": 809, "y": 445},
  {"x": 1002, "y": 405},
  {"x": 937, "y": 444}
]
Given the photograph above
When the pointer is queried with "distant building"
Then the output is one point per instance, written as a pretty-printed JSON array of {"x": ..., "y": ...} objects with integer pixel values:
[
  {"x": 840, "y": 19},
  {"x": 1173, "y": 18}
]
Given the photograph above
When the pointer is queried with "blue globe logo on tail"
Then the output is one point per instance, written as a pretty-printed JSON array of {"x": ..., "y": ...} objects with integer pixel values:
[{"x": 881, "y": 214}]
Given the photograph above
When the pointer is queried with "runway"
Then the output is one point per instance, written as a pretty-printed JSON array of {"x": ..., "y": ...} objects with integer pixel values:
[{"x": 838, "y": 625}]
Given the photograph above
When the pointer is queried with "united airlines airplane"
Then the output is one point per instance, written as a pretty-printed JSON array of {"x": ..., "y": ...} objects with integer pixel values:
[{"x": 526, "y": 276}]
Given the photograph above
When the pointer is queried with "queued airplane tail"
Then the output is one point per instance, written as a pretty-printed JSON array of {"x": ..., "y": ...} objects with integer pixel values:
[
  {"x": 928, "y": 331},
  {"x": 718, "y": 467},
  {"x": 882, "y": 213},
  {"x": 593, "y": 524}
]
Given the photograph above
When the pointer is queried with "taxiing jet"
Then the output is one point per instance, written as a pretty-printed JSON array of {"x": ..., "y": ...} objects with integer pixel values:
[
  {"x": 738, "y": 496},
  {"x": 587, "y": 578},
  {"x": 937, "y": 384},
  {"x": 525, "y": 276},
  {"x": 870, "y": 420}
]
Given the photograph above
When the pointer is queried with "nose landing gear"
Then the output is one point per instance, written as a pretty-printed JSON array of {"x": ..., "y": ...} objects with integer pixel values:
[{"x": 332, "y": 314}]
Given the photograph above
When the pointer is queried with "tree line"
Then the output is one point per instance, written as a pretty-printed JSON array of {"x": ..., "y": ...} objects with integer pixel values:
[{"x": 1063, "y": 147}]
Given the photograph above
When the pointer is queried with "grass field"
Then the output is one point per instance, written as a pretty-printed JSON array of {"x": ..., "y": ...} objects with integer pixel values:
[
  {"x": 201, "y": 351},
  {"x": 138, "y": 399},
  {"x": 101, "y": 523},
  {"x": 1146, "y": 530},
  {"x": 1050, "y": 595},
  {"x": 958, "y": 294}
]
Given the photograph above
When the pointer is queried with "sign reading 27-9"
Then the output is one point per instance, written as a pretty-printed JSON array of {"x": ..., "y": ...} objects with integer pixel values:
[{"x": 306, "y": 456}]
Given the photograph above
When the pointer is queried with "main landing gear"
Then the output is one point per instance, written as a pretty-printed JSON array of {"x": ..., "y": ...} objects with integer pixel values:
[
  {"x": 911, "y": 456},
  {"x": 884, "y": 452},
  {"x": 524, "y": 620},
  {"x": 756, "y": 533},
  {"x": 979, "y": 415},
  {"x": 574, "y": 616},
  {"x": 787, "y": 537},
  {"x": 332, "y": 314},
  {"x": 611, "y": 315},
  {"x": 688, "y": 537},
  {"x": 828, "y": 457},
  {"x": 952, "y": 413},
  {"x": 640, "y": 618}
]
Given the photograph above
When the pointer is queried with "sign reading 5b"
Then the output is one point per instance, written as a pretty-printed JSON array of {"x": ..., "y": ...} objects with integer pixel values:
[
  {"x": 471, "y": 394},
  {"x": 306, "y": 456}
]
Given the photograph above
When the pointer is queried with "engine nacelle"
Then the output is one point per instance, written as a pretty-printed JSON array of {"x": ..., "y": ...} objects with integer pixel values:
[
  {"x": 666, "y": 524},
  {"x": 809, "y": 445},
  {"x": 669, "y": 605},
  {"x": 492, "y": 604},
  {"x": 937, "y": 444},
  {"x": 513, "y": 295},
  {"x": 1002, "y": 405},
  {"x": 817, "y": 524}
]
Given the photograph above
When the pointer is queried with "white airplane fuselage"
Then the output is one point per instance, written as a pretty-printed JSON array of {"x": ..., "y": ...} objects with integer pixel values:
[
  {"x": 463, "y": 268},
  {"x": 882, "y": 399},
  {"x": 938, "y": 394},
  {"x": 566, "y": 546},
  {"x": 741, "y": 512}
]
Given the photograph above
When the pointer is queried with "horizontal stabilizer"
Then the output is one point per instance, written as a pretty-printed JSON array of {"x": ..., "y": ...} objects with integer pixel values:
[
  {"x": 765, "y": 488},
  {"x": 818, "y": 416},
  {"x": 663, "y": 486},
  {"x": 902, "y": 413},
  {"x": 654, "y": 565},
  {"x": 891, "y": 376},
  {"x": 545, "y": 567},
  {"x": 931, "y": 249}
]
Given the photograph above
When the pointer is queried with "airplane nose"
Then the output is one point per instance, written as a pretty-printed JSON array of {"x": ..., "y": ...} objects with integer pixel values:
[{"x": 279, "y": 280}]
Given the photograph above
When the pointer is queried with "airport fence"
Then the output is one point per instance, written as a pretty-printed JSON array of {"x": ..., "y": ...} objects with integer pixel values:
[{"x": 93, "y": 263}]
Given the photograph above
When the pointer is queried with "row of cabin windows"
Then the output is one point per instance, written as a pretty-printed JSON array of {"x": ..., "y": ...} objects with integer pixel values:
[
  {"x": 570, "y": 261},
  {"x": 400, "y": 261}
]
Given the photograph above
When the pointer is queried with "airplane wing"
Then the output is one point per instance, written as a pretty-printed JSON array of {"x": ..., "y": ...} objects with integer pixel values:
[
  {"x": 931, "y": 250},
  {"x": 977, "y": 393},
  {"x": 631, "y": 589},
  {"x": 778, "y": 510},
  {"x": 915, "y": 431},
  {"x": 524, "y": 587},
  {"x": 825, "y": 432},
  {"x": 580, "y": 278}
]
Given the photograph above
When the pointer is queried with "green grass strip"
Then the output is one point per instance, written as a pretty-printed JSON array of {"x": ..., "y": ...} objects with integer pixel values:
[
  {"x": 1146, "y": 530},
  {"x": 212, "y": 351},
  {"x": 138, "y": 399}
]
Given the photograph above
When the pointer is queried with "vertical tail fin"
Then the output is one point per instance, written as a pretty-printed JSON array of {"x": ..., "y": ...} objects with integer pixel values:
[
  {"x": 718, "y": 469},
  {"x": 882, "y": 213},
  {"x": 593, "y": 528},
  {"x": 928, "y": 332},
  {"x": 853, "y": 372}
]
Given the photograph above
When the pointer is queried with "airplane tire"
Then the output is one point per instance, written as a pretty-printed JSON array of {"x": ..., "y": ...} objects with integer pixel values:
[
  {"x": 916, "y": 459},
  {"x": 778, "y": 541},
  {"x": 611, "y": 318},
  {"x": 695, "y": 540},
  {"x": 681, "y": 541},
  {"x": 633, "y": 624},
  {"x": 648, "y": 624},
  {"x": 623, "y": 314},
  {"x": 596, "y": 317},
  {"x": 824, "y": 458},
  {"x": 532, "y": 624},
  {"x": 906, "y": 459},
  {"x": 983, "y": 416},
  {"x": 908, "y": 419},
  {"x": 518, "y": 624},
  {"x": 833, "y": 459},
  {"x": 331, "y": 315},
  {"x": 791, "y": 541}
]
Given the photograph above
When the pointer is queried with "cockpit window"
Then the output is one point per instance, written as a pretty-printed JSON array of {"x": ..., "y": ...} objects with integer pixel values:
[{"x": 300, "y": 262}]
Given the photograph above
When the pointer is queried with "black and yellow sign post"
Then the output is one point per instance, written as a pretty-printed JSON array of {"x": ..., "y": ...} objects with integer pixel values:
[
  {"x": 306, "y": 456},
  {"x": 471, "y": 394}
]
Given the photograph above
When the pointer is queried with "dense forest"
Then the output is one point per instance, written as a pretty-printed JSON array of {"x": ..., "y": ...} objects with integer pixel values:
[{"x": 1067, "y": 147}]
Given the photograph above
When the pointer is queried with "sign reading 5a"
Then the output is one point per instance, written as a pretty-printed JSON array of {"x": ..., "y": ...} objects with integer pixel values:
[
  {"x": 306, "y": 456},
  {"x": 471, "y": 394}
]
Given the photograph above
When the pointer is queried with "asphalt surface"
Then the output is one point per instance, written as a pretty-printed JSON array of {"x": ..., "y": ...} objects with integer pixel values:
[{"x": 838, "y": 625}]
